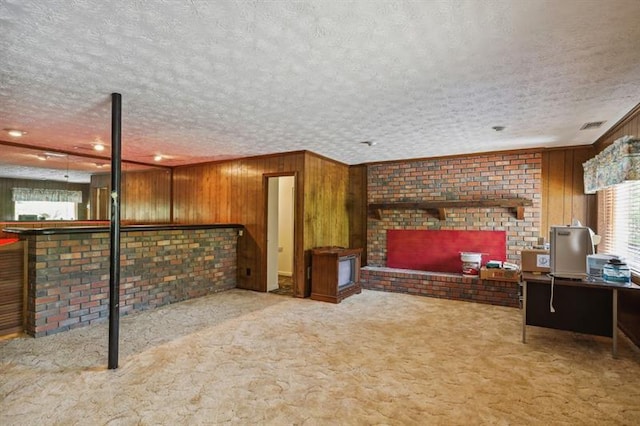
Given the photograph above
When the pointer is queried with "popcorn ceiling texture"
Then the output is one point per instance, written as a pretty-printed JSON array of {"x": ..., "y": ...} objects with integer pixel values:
[{"x": 211, "y": 80}]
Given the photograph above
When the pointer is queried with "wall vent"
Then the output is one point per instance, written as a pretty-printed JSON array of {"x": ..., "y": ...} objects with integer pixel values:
[{"x": 592, "y": 125}]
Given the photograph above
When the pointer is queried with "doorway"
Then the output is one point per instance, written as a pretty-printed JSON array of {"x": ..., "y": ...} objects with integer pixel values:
[{"x": 280, "y": 231}]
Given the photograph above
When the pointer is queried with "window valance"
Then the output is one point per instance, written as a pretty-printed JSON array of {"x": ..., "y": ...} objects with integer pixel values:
[
  {"x": 41, "y": 194},
  {"x": 617, "y": 163}
]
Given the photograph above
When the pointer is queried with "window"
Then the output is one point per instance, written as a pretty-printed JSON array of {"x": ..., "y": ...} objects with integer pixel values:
[
  {"x": 45, "y": 210},
  {"x": 619, "y": 222}
]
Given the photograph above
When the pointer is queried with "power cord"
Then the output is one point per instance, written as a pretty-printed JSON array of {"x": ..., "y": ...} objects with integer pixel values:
[{"x": 551, "y": 308}]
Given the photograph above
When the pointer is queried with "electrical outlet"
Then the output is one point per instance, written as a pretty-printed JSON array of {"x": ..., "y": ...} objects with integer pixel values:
[{"x": 240, "y": 232}]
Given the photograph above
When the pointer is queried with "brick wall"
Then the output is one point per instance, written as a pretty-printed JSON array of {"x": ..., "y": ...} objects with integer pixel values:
[
  {"x": 69, "y": 273},
  {"x": 441, "y": 285},
  {"x": 512, "y": 175},
  {"x": 458, "y": 178}
]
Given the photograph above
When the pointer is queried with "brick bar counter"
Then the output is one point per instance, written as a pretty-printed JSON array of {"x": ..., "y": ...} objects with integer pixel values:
[{"x": 68, "y": 270}]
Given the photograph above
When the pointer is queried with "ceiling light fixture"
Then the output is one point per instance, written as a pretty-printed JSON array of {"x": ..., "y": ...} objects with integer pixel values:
[
  {"x": 98, "y": 147},
  {"x": 370, "y": 143},
  {"x": 15, "y": 133},
  {"x": 55, "y": 154},
  {"x": 157, "y": 157},
  {"x": 41, "y": 157},
  {"x": 498, "y": 128}
]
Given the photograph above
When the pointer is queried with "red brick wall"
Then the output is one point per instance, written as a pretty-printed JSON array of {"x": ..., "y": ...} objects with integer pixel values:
[
  {"x": 69, "y": 273},
  {"x": 457, "y": 178},
  {"x": 440, "y": 285}
]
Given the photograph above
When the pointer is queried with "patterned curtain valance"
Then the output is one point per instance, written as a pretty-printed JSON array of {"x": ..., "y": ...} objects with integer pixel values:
[
  {"x": 41, "y": 194},
  {"x": 617, "y": 163}
]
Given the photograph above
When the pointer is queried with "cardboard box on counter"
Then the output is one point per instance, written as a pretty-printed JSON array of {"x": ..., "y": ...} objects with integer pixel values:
[
  {"x": 498, "y": 274},
  {"x": 535, "y": 260}
]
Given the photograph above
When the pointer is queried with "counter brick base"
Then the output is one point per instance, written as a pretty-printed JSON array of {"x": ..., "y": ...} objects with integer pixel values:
[{"x": 68, "y": 274}]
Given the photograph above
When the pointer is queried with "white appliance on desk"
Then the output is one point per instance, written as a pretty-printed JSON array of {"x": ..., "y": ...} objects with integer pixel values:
[
  {"x": 596, "y": 262},
  {"x": 569, "y": 248}
]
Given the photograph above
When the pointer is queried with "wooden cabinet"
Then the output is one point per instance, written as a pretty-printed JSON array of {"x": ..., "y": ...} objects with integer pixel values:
[
  {"x": 335, "y": 273},
  {"x": 11, "y": 287}
]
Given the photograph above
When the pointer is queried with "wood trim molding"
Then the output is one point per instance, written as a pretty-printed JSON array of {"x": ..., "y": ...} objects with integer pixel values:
[
  {"x": 635, "y": 112},
  {"x": 480, "y": 154}
]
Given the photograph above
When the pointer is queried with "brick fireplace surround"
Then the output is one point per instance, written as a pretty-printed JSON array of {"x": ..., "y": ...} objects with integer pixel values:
[{"x": 481, "y": 177}]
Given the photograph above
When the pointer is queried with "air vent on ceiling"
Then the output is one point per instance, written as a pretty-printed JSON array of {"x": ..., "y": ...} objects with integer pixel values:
[{"x": 591, "y": 125}]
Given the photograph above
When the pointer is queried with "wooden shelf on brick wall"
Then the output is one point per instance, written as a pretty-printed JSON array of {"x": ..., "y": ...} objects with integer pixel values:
[{"x": 518, "y": 204}]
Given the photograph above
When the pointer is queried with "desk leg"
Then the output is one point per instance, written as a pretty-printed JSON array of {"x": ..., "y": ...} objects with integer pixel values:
[
  {"x": 615, "y": 322},
  {"x": 524, "y": 312}
]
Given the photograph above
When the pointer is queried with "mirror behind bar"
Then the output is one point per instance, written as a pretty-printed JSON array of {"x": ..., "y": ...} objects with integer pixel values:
[{"x": 49, "y": 173}]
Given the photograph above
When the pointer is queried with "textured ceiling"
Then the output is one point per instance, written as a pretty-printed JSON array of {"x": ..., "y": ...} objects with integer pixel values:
[{"x": 206, "y": 80}]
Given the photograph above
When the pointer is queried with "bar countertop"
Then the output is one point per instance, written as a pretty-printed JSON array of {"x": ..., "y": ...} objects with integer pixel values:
[{"x": 123, "y": 228}]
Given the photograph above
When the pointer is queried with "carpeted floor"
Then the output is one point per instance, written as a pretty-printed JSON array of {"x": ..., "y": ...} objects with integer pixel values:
[{"x": 241, "y": 357}]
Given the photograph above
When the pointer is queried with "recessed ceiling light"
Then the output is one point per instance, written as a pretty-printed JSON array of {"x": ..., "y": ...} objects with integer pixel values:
[
  {"x": 41, "y": 157},
  {"x": 15, "y": 133},
  {"x": 370, "y": 143},
  {"x": 498, "y": 128},
  {"x": 98, "y": 147},
  {"x": 157, "y": 157},
  {"x": 55, "y": 154}
]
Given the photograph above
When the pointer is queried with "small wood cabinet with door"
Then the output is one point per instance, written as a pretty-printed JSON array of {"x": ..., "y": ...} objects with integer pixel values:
[{"x": 335, "y": 273}]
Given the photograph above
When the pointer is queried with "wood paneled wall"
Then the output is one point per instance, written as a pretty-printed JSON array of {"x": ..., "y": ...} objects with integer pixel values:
[
  {"x": 357, "y": 207},
  {"x": 146, "y": 196},
  {"x": 326, "y": 217},
  {"x": 236, "y": 192},
  {"x": 326, "y": 189},
  {"x": 6, "y": 202},
  {"x": 563, "y": 197}
]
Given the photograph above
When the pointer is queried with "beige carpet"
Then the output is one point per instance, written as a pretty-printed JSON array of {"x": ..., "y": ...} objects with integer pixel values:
[{"x": 244, "y": 358}]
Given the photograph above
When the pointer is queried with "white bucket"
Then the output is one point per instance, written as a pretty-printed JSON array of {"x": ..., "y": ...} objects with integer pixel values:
[{"x": 471, "y": 263}]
